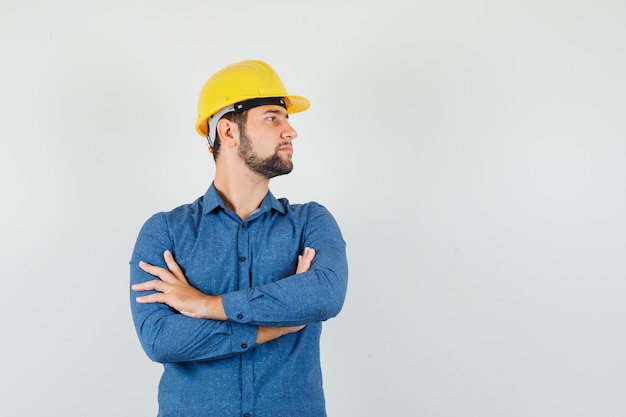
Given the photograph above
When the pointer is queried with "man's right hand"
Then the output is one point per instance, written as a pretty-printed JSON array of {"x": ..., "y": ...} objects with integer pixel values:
[{"x": 264, "y": 333}]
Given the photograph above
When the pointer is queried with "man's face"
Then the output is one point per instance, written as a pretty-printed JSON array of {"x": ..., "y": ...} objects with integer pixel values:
[{"x": 265, "y": 142}]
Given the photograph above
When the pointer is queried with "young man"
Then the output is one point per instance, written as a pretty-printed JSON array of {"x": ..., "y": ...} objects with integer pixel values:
[{"x": 230, "y": 292}]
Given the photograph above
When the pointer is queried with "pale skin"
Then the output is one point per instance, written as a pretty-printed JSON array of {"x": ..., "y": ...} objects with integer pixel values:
[{"x": 242, "y": 190}]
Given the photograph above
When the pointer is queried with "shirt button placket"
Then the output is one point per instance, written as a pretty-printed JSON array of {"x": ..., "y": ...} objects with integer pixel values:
[
  {"x": 243, "y": 244},
  {"x": 247, "y": 366}
]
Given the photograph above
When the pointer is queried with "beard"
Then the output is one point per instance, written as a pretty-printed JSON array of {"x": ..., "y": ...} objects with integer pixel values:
[{"x": 269, "y": 167}]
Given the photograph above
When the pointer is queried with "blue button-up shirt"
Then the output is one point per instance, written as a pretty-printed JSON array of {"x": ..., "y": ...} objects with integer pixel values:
[{"x": 215, "y": 368}]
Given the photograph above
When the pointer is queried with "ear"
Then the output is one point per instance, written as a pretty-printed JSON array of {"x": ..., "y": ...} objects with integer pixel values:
[{"x": 228, "y": 131}]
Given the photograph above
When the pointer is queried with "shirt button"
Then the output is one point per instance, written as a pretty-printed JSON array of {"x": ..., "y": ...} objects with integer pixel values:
[
  {"x": 246, "y": 415},
  {"x": 242, "y": 259},
  {"x": 244, "y": 345},
  {"x": 243, "y": 225},
  {"x": 239, "y": 316}
]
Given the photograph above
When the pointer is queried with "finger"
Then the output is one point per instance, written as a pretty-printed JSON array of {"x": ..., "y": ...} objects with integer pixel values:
[
  {"x": 157, "y": 271},
  {"x": 173, "y": 266},
  {"x": 304, "y": 262},
  {"x": 151, "y": 269},
  {"x": 154, "y": 285},
  {"x": 309, "y": 254},
  {"x": 152, "y": 298}
]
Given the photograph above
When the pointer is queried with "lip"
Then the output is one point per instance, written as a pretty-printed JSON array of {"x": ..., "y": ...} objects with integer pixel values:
[{"x": 286, "y": 149}]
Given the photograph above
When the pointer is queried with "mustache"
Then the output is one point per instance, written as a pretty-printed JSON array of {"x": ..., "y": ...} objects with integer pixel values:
[{"x": 285, "y": 143}]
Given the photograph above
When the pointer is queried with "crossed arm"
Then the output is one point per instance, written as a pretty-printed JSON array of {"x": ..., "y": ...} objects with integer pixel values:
[{"x": 174, "y": 290}]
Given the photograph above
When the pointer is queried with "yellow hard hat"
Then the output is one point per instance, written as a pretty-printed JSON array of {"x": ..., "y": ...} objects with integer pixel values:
[{"x": 239, "y": 82}]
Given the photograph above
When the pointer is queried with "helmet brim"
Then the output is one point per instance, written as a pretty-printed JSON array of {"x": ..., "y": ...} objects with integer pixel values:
[{"x": 297, "y": 104}]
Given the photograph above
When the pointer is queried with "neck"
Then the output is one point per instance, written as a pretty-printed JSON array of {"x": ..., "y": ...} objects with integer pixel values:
[{"x": 241, "y": 190}]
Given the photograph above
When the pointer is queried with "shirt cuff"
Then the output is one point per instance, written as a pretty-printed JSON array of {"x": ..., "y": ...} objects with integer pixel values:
[
  {"x": 243, "y": 337},
  {"x": 237, "y": 307}
]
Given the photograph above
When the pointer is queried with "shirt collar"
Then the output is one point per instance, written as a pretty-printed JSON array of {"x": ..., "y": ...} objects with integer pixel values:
[{"x": 212, "y": 200}]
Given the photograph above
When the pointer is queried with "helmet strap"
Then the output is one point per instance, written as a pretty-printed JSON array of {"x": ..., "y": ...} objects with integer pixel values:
[
  {"x": 212, "y": 124},
  {"x": 261, "y": 101}
]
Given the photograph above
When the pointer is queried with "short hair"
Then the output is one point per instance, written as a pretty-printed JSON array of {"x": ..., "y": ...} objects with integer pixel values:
[{"x": 240, "y": 119}]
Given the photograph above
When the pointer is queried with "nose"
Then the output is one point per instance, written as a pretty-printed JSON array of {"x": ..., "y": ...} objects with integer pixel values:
[{"x": 289, "y": 133}]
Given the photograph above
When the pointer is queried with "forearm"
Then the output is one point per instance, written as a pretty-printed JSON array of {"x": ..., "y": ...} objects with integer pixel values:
[
  {"x": 300, "y": 299},
  {"x": 177, "y": 338},
  {"x": 312, "y": 296},
  {"x": 169, "y": 336}
]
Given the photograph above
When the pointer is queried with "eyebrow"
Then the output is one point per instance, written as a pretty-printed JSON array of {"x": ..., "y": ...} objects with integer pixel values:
[{"x": 277, "y": 112}]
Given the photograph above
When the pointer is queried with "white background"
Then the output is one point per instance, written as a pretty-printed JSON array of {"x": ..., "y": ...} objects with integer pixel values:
[{"x": 473, "y": 153}]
